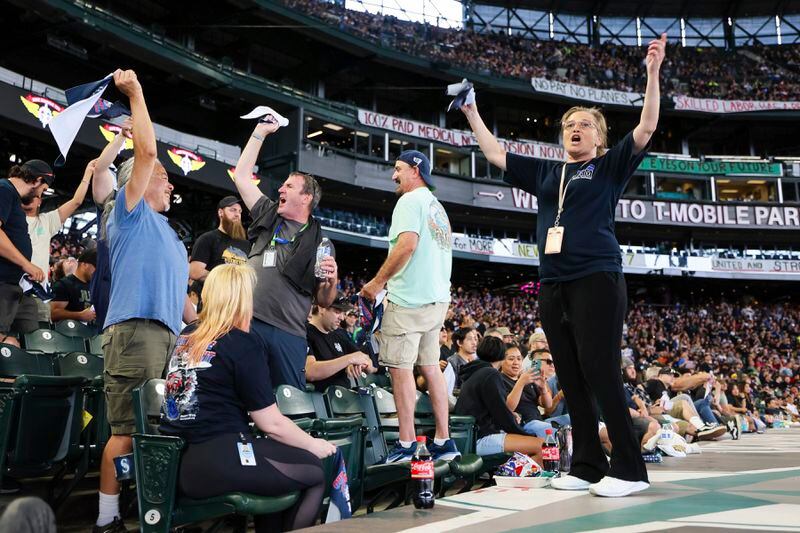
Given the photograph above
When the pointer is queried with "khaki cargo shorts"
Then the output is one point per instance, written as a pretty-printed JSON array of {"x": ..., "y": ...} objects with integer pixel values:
[
  {"x": 134, "y": 351},
  {"x": 409, "y": 336}
]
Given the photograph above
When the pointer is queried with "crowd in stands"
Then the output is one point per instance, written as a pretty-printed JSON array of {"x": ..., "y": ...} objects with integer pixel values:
[
  {"x": 274, "y": 311},
  {"x": 698, "y": 72}
]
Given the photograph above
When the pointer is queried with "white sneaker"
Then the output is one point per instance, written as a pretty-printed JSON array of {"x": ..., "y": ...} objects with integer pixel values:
[
  {"x": 611, "y": 487},
  {"x": 670, "y": 450},
  {"x": 569, "y": 483},
  {"x": 693, "y": 448}
]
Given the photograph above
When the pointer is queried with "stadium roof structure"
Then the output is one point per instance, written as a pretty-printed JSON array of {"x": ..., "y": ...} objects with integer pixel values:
[{"x": 663, "y": 8}]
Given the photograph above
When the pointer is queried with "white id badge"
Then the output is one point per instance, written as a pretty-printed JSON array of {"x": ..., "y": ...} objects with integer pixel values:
[
  {"x": 555, "y": 236},
  {"x": 269, "y": 257},
  {"x": 246, "y": 455}
]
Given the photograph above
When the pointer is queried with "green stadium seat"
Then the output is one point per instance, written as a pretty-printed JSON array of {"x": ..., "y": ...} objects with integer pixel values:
[
  {"x": 82, "y": 364},
  {"x": 380, "y": 479},
  {"x": 74, "y": 328},
  {"x": 16, "y": 362},
  {"x": 462, "y": 431},
  {"x": 347, "y": 433},
  {"x": 40, "y": 431},
  {"x": 52, "y": 342},
  {"x": 157, "y": 460}
]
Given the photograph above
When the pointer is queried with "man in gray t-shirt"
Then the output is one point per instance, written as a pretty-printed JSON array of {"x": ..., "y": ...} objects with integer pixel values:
[{"x": 285, "y": 238}]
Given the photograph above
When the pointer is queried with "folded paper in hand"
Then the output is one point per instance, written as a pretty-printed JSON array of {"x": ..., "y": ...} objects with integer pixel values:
[
  {"x": 464, "y": 94},
  {"x": 264, "y": 111}
]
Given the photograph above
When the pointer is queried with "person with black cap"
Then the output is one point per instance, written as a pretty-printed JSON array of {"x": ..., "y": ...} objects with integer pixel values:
[
  {"x": 71, "y": 296},
  {"x": 333, "y": 358},
  {"x": 224, "y": 244},
  {"x": 417, "y": 276},
  {"x": 43, "y": 226},
  {"x": 19, "y": 312}
]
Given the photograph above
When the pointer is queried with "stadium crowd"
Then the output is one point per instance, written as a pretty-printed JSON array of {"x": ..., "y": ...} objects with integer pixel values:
[
  {"x": 699, "y": 72},
  {"x": 274, "y": 310}
]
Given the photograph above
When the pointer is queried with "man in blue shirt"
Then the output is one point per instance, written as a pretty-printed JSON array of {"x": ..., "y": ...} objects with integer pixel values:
[{"x": 149, "y": 274}]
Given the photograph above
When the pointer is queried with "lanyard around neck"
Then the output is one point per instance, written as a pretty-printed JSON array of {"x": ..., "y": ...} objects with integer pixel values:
[
  {"x": 562, "y": 190},
  {"x": 281, "y": 240}
]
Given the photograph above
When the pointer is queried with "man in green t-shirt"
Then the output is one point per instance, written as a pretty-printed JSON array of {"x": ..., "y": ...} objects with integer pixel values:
[{"x": 417, "y": 276}]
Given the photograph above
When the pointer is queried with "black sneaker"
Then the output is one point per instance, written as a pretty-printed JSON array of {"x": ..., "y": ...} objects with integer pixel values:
[
  {"x": 733, "y": 429},
  {"x": 117, "y": 526},
  {"x": 710, "y": 432}
]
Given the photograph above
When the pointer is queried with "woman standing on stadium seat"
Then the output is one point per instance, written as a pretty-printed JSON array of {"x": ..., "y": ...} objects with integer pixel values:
[
  {"x": 217, "y": 381},
  {"x": 583, "y": 296}
]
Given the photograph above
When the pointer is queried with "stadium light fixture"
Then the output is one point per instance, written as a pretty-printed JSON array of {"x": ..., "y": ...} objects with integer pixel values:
[
  {"x": 362, "y": 134},
  {"x": 756, "y": 182},
  {"x": 723, "y": 181},
  {"x": 315, "y": 134},
  {"x": 729, "y": 191},
  {"x": 334, "y": 127}
]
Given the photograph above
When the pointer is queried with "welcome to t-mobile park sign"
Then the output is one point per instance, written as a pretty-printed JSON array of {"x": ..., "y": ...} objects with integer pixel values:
[{"x": 685, "y": 213}]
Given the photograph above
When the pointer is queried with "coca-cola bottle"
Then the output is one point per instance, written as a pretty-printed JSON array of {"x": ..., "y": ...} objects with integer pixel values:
[
  {"x": 422, "y": 476},
  {"x": 550, "y": 456}
]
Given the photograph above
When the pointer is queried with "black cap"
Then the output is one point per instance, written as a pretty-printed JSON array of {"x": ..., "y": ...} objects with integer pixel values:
[
  {"x": 667, "y": 370},
  {"x": 228, "y": 201},
  {"x": 37, "y": 167},
  {"x": 341, "y": 303},
  {"x": 89, "y": 257}
]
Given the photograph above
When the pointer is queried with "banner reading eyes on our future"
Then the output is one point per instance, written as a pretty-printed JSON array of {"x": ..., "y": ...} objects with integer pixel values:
[{"x": 711, "y": 167}]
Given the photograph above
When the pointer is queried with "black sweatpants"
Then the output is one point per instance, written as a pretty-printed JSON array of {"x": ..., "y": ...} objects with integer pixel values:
[
  {"x": 213, "y": 467},
  {"x": 582, "y": 320}
]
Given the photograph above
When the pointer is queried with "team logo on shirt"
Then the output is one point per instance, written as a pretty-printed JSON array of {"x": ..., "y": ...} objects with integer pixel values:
[
  {"x": 234, "y": 256},
  {"x": 439, "y": 225},
  {"x": 180, "y": 393},
  {"x": 585, "y": 173},
  {"x": 42, "y": 108},
  {"x": 338, "y": 347}
]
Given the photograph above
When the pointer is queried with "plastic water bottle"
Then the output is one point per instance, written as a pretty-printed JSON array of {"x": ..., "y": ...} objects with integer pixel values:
[
  {"x": 422, "y": 476},
  {"x": 666, "y": 432},
  {"x": 564, "y": 438},
  {"x": 550, "y": 457},
  {"x": 323, "y": 251}
]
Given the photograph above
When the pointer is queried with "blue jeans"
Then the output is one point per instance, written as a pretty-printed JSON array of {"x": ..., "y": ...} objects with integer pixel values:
[
  {"x": 286, "y": 355},
  {"x": 491, "y": 444},
  {"x": 704, "y": 410},
  {"x": 536, "y": 428},
  {"x": 561, "y": 420}
]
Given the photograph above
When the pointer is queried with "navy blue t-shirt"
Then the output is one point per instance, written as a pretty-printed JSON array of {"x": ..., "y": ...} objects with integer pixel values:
[
  {"x": 16, "y": 228},
  {"x": 100, "y": 284},
  {"x": 213, "y": 397},
  {"x": 595, "y": 187}
]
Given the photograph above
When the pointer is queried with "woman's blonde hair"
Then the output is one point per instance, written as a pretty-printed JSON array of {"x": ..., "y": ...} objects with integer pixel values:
[
  {"x": 227, "y": 303},
  {"x": 599, "y": 121}
]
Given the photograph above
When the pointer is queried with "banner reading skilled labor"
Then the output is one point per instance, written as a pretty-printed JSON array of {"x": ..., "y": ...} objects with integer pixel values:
[
  {"x": 712, "y": 105},
  {"x": 587, "y": 94}
]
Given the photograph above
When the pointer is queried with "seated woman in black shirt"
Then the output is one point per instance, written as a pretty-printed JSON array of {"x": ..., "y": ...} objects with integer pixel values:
[
  {"x": 526, "y": 391},
  {"x": 217, "y": 375},
  {"x": 483, "y": 396}
]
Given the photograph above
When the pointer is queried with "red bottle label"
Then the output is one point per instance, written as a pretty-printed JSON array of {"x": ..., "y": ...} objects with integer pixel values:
[
  {"x": 550, "y": 454},
  {"x": 422, "y": 470}
]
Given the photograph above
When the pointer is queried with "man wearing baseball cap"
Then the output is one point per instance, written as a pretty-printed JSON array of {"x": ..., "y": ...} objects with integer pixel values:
[
  {"x": 227, "y": 243},
  {"x": 18, "y": 312},
  {"x": 333, "y": 358},
  {"x": 417, "y": 276}
]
